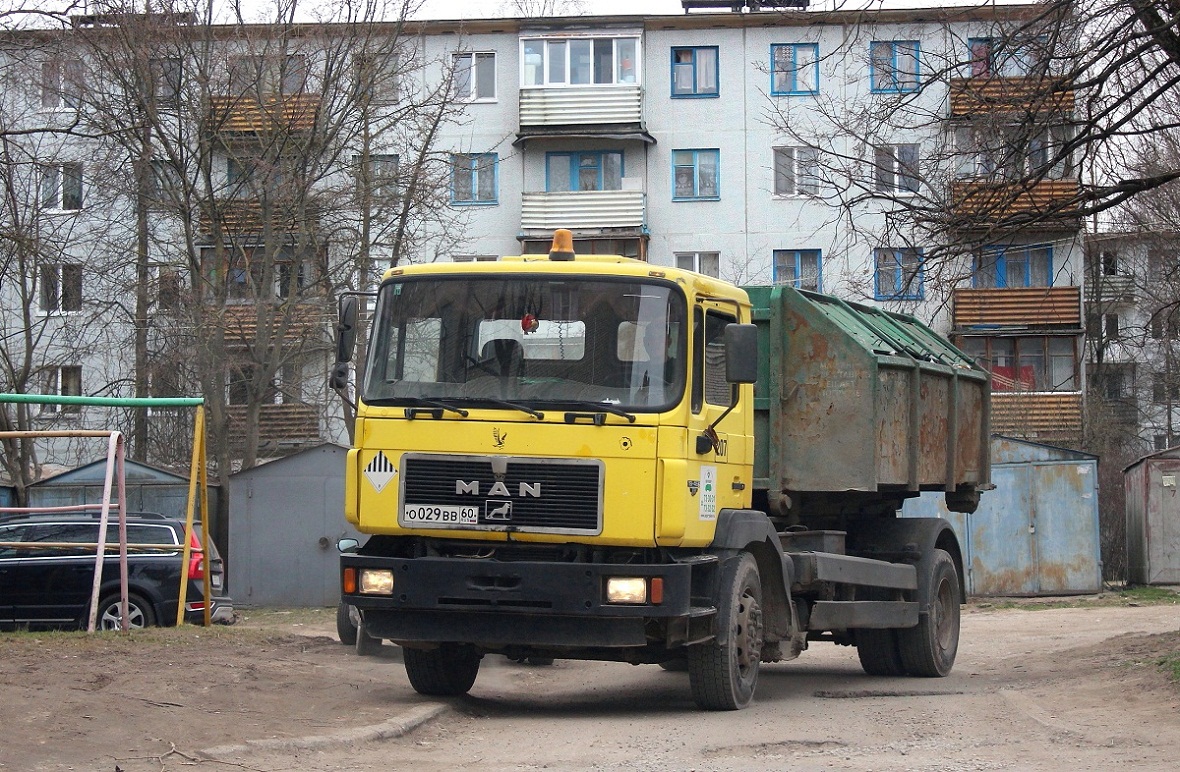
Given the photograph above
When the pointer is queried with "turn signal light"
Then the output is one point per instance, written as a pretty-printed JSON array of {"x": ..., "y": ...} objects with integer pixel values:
[{"x": 348, "y": 584}]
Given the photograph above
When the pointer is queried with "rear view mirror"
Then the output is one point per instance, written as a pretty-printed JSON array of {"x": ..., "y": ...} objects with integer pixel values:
[
  {"x": 741, "y": 353},
  {"x": 347, "y": 545},
  {"x": 345, "y": 342}
]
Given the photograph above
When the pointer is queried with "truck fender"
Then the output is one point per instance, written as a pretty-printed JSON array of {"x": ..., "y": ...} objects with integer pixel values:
[
  {"x": 895, "y": 540},
  {"x": 745, "y": 530}
]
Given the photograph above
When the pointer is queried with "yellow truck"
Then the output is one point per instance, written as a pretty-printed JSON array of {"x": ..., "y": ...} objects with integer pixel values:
[{"x": 591, "y": 457}]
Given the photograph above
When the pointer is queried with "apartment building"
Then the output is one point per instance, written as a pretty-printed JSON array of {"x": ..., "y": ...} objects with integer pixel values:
[{"x": 777, "y": 146}]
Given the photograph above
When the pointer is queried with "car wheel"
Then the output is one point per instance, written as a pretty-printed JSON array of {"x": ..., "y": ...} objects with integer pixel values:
[
  {"x": 139, "y": 613},
  {"x": 447, "y": 671},
  {"x": 345, "y": 629}
]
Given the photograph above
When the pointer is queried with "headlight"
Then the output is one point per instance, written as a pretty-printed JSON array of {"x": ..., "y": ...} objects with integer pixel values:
[
  {"x": 376, "y": 581},
  {"x": 622, "y": 589}
]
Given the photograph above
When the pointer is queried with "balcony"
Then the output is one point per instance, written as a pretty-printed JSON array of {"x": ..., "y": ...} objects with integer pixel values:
[
  {"x": 990, "y": 95},
  {"x": 281, "y": 428},
  {"x": 605, "y": 112},
  {"x": 244, "y": 217},
  {"x": 597, "y": 211},
  {"x": 306, "y": 324},
  {"x": 1039, "y": 415},
  {"x": 1111, "y": 289},
  {"x": 1019, "y": 306},
  {"x": 979, "y": 204},
  {"x": 247, "y": 116}
]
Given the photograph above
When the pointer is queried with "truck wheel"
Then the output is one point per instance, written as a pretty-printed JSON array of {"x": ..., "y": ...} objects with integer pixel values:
[
  {"x": 879, "y": 653},
  {"x": 447, "y": 671},
  {"x": 366, "y": 645},
  {"x": 345, "y": 629},
  {"x": 723, "y": 676},
  {"x": 929, "y": 649}
]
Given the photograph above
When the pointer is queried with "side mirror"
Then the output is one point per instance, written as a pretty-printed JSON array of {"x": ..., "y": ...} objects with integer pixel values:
[
  {"x": 741, "y": 353},
  {"x": 345, "y": 342},
  {"x": 347, "y": 545}
]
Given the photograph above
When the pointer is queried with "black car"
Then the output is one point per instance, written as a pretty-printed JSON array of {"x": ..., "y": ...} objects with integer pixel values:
[{"x": 51, "y": 586}]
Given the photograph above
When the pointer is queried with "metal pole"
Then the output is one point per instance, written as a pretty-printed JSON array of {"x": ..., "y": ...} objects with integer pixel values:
[
  {"x": 104, "y": 514},
  {"x": 194, "y": 467},
  {"x": 121, "y": 471}
]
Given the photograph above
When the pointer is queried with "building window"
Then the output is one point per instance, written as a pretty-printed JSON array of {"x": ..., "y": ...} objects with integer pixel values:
[
  {"x": 800, "y": 268},
  {"x": 1027, "y": 363},
  {"x": 475, "y": 77},
  {"x": 1111, "y": 326},
  {"x": 165, "y": 81},
  {"x": 266, "y": 75},
  {"x": 245, "y": 270},
  {"x": 1014, "y": 266},
  {"x": 1165, "y": 389},
  {"x": 599, "y": 170},
  {"x": 694, "y": 72},
  {"x": 633, "y": 247},
  {"x": 579, "y": 61},
  {"x": 1004, "y": 58},
  {"x": 708, "y": 263},
  {"x": 894, "y": 65},
  {"x": 62, "y": 84},
  {"x": 61, "y": 186},
  {"x": 61, "y": 288},
  {"x": 1165, "y": 324},
  {"x": 377, "y": 179},
  {"x": 63, "y": 381},
  {"x": 895, "y": 169},
  {"x": 378, "y": 74},
  {"x": 794, "y": 69},
  {"x": 796, "y": 171},
  {"x": 695, "y": 174},
  {"x": 898, "y": 273},
  {"x": 1013, "y": 153},
  {"x": 1110, "y": 263},
  {"x": 166, "y": 184},
  {"x": 473, "y": 179},
  {"x": 1160, "y": 442}
]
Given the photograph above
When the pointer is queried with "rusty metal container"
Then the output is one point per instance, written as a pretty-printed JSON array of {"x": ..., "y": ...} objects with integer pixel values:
[
  {"x": 855, "y": 398},
  {"x": 1152, "y": 487}
]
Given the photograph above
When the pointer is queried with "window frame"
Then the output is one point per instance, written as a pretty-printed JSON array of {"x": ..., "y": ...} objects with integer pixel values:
[
  {"x": 56, "y": 174},
  {"x": 56, "y": 381},
  {"x": 902, "y": 290},
  {"x": 793, "y": 88},
  {"x": 472, "y": 96},
  {"x": 575, "y": 168},
  {"x": 799, "y": 173},
  {"x": 621, "y": 73},
  {"x": 892, "y": 174},
  {"x": 697, "y": 154},
  {"x": 474, "y": 167},
  {"x": 383, "y": 188},
  {"x": 1032, "y": 351},
  {"x": 892, "y": 82},
  {"x": 167, "y": 80},
  {"x": 998, "y": 55},
  {"x": 796, "y": 258},
  {"x": 1003, "y": 256},
  {"x": 63, "y": 84},
  {"x": 67, "y": 284},
  {"x": 696, "y": 92},
  {"x": 697, "y": 259}
]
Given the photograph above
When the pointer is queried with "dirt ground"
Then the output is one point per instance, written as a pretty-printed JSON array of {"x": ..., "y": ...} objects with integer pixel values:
[{"x": 160, "y": 699}]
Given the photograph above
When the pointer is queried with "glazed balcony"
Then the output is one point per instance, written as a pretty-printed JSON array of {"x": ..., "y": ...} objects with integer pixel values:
[
  {"x": 1019, "y": 306},
  {"x": 1111, "y": 289},
  {"x": 582, "y": 211}
]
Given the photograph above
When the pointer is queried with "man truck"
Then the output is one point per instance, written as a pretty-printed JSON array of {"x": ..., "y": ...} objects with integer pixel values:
[{"x": 592, "y": 457}]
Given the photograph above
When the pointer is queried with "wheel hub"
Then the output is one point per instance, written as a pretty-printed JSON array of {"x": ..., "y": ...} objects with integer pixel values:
[{"x": 748, "y": 632}]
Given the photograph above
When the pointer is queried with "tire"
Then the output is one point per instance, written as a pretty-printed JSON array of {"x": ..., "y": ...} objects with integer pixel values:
[
  {"x": 879, "y": 652},
  {"x": 929, "y": 649},
  {"x": 110, "y": 613},
  {"x": 723, "y": 676},
  {"x": 448, "y": 671},
  {"x": 345, "y": 629},
  {"x": 366, "y": 645}
]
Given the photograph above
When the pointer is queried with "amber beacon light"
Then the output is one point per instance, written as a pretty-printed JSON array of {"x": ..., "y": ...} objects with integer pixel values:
[{"x": 563, "y": 245}]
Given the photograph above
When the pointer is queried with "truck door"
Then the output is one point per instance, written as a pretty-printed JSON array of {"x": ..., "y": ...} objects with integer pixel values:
[{"x": 721, "y": 469}]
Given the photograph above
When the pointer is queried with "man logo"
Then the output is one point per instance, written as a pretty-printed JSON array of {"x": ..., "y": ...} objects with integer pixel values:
[
  {"x": 502, "y": 511},
  {"x": 499, "y": 438}
]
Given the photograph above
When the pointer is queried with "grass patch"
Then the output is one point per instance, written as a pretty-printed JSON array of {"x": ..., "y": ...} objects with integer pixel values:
[{"x": 1170, "y": 665}]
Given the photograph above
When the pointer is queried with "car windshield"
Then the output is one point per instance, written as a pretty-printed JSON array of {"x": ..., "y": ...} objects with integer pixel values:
[{"x": 534, "y": 341}]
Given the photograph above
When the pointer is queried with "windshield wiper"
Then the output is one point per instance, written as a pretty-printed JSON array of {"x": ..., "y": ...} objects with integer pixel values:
[
  {"x": 505, "y": 403},
  {"x": 434, "y": 407},
  {"x": 600, "y": 409}
]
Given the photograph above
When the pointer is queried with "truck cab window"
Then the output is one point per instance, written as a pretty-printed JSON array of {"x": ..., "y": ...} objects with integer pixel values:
[{"x": 708, "y": 360}]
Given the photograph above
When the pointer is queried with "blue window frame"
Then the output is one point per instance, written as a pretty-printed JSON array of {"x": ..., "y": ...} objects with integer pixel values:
[
  {"x": 1001, "y": 267},
  {"x": 794, "y": 69},
  {"x": 898, "y": 274},
  {"x": 800, "y": 268},
  {"x": 894, "y": 65},
  {"x": 577, "y": 171},
  {"x": 474, "y": 178},
  {"x": 696, "y": 175},
  {"x": 694, "y": 72}
]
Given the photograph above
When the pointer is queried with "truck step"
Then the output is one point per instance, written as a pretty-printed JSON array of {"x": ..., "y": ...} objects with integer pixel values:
[{"x": 852, "y": 614}]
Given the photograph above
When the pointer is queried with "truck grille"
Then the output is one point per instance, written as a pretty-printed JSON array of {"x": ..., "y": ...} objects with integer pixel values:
[{"x": 545, "y": 495}]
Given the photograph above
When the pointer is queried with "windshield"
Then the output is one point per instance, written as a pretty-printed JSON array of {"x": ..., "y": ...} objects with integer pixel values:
[{"x": 527, "y": 339}]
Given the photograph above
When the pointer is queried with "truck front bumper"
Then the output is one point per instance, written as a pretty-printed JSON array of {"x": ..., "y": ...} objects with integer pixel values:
[{"x": 497, "y": 604}]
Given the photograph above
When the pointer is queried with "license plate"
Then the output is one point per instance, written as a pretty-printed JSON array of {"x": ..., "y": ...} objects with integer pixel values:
[
  {"x": 439, "y": 514},
  {"x": 215, "y": 581}
]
